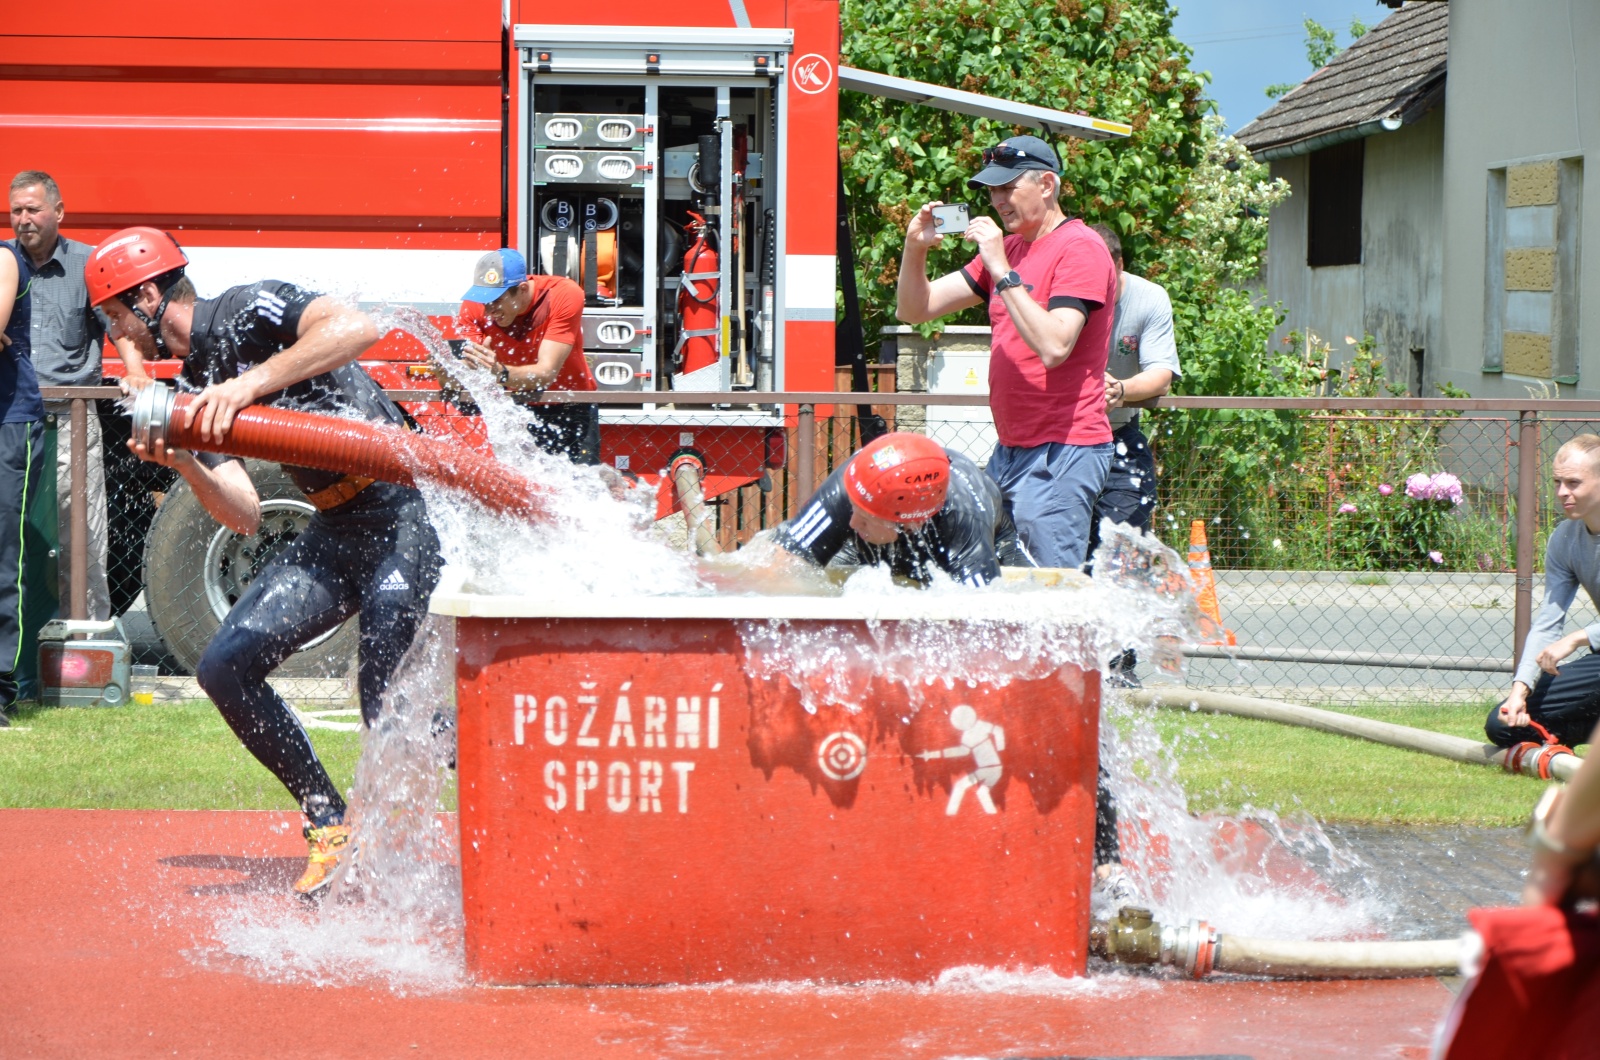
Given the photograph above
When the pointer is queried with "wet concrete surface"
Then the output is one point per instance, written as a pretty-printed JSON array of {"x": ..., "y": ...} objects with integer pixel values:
[{"x": 1432, "y": 876}]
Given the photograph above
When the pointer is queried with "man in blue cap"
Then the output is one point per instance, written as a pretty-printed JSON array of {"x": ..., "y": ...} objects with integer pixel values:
[
  {"x": 526, "y": 329},
  {"x": 1051, "y": 290}
]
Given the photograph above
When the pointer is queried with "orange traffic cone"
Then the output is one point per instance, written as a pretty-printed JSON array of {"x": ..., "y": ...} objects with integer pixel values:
[{"x": 1205, "y": 586}]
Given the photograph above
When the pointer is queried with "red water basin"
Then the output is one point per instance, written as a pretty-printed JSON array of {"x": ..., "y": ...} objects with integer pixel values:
[{"x": 636, "y": 808}]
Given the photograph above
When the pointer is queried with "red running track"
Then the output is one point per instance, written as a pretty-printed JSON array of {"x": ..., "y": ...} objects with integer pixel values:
[{"x": 101, "y": 912}]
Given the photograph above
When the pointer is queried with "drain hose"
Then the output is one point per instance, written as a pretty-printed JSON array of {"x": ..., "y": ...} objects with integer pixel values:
[
  {"x": 1549, "y": 762},
  {"x": 1133, "y": 936},
  {"x": 688, "y": 472},
  {"x": 354, "y": 447},
  {"x": 1336, "y": 960}
]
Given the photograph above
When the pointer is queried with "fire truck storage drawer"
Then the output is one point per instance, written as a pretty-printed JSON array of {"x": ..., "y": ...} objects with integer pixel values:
[
  {"x": 616, "y": 371},
  {"x": 557, "y": 165},
  {"x": 621, "y": 329},
  {"x": 616, "y": 132}
]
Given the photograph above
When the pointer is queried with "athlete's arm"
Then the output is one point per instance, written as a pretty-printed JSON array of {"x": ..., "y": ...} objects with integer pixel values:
[
  {"x": 822, "y": 526},
  {"x": 330, "y": 334},
  {"x": 134, "y": 376},
  {"x": 225, "y": 491}
]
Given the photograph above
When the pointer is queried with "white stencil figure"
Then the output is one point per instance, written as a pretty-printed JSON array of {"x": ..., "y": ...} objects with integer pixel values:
[{"x": 982, "y": 741}]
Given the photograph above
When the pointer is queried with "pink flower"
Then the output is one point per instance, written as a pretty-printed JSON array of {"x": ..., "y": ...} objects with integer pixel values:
[
  {"x": 1346, "y": 508},
  {"x": 1384, "y": 489},
  {"x": 1437, "y": 557},
  {"x": 1419, "y": 487},
  {"x": 1446, "y": 487}
]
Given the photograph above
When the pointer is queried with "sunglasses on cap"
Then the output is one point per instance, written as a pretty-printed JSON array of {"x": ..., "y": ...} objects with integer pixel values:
[{"x": 1004, "y": 155}]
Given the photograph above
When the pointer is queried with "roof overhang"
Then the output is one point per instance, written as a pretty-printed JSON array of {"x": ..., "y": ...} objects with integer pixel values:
[{"x": 1056, "y": 122}]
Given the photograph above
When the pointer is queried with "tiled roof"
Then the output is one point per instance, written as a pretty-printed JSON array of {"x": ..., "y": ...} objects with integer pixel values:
[{"x": 1395, "y": 71}]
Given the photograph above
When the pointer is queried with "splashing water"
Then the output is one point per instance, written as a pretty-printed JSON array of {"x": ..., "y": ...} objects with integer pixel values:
[{"x": 396, "y": 914}]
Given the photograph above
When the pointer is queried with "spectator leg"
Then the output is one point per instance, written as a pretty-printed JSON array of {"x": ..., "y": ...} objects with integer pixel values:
[
  {"x": 1051, "y": 490},
  {"x": 21, "y": 464}
]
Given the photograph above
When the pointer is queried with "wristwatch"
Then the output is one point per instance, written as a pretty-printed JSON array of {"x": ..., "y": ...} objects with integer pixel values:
[
  {"x": 505, "y": 376},
  {"x": 1008, "y": 281}
]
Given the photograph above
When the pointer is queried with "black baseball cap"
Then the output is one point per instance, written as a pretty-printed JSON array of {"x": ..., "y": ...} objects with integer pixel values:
[{"x": 1002, "y": 164}]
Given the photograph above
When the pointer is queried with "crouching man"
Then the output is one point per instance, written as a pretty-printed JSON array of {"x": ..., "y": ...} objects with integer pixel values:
[
  {"x": 368, "y": 550},
  {"x": 1552, "y": 688}
]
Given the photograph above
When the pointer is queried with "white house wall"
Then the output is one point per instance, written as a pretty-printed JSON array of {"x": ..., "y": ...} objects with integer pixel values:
[
  {"x": 1394, "y": 295},
  {"x": 1523, "y": 89},
  {"x": 1402, "y": 245}
]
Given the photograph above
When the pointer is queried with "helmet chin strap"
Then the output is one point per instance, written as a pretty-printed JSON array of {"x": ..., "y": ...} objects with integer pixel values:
[{"x": 153, "y": 324}]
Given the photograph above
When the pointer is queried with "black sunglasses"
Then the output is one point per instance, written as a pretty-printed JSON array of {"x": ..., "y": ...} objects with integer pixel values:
[{"x": 1004, "y": 155}]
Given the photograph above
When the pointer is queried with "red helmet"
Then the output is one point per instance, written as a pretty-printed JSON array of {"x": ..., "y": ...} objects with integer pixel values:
[
  {"x": 901, "y": 477},
  {"x": 128, "y": 258}
]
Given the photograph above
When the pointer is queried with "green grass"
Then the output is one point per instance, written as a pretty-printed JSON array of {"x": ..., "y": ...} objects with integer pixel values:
[
  {"x": 1226, "y": 763},
  {"x": 178, "y": 756},
  {"x": 182, "y": 756}
]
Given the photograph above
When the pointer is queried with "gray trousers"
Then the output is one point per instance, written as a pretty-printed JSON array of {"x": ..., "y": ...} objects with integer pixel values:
[
  {"x": 1050, "y": 492},
  {"x": 99, "y": 593}
]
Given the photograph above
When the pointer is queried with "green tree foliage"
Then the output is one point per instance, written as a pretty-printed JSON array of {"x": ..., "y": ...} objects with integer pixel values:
[{"x": 1322, "y": 44}]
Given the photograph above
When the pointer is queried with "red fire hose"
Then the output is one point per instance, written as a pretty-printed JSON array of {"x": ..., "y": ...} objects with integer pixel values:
[{"x": 355, "y": 447}]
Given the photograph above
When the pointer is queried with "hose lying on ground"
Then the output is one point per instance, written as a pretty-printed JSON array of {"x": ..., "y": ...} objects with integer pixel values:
[
  {"x": 1133, "y": 936},
  {"x": 333, "y": 443},
  {"x": 1336, "y": 960},
  {"x": 1559, "y": 765}
]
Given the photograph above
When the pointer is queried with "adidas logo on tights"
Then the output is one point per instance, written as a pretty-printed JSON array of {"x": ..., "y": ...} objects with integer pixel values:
[{"x": 395, "y": 582}]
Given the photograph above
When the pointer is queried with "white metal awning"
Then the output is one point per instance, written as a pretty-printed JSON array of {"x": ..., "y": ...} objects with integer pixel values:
[{"x": 1058, "y": 122}]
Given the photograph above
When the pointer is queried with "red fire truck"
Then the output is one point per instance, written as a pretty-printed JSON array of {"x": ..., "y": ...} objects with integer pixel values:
[{"x": 679, "y": 163}]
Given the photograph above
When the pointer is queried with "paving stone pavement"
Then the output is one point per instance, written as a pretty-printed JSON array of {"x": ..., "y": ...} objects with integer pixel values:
[{"x": 1432, "y": 876}]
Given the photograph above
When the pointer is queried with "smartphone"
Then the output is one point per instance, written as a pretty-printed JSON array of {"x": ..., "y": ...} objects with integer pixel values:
[{"x": 950, "y": 219}]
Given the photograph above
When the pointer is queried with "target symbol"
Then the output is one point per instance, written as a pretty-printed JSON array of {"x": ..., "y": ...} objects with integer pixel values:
[{"x": 842, "y": 756}]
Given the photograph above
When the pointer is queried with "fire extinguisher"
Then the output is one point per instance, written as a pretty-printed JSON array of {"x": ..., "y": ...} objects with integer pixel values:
[{"x": 697, "y": 302}]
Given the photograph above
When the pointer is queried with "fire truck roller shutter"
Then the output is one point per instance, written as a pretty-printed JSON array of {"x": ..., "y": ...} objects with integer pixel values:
[{"x": 195, "y": 569}]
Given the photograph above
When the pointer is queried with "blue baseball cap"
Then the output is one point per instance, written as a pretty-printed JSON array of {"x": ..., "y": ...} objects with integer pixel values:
[{"x": 496, "y": 273}]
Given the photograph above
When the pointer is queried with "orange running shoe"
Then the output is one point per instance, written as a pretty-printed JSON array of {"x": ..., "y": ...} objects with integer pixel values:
[{"x": 328, "y": 845}]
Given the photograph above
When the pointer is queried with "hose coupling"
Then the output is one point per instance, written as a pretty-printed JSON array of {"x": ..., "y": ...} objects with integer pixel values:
[
  {"x": 1134, "y": 937},
  {"x": 152, "y": 413}
]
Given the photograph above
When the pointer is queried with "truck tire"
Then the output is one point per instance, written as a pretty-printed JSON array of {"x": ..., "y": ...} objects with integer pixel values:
[{"x": 195, "y": 569}]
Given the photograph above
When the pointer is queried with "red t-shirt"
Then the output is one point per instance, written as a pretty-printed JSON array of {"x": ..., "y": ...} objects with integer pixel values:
[
  {"x": 556, "y": 313},
  {"x": 1067, "y": 403}
]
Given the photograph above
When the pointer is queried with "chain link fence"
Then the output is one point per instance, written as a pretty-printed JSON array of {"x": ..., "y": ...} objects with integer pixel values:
[{"x": 1346, "y": 566}]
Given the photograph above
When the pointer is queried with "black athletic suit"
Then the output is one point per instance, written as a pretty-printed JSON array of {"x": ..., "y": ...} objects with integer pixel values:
[
  {"x": 375, "y": 554},
  {"x": 968, "y": 538}
]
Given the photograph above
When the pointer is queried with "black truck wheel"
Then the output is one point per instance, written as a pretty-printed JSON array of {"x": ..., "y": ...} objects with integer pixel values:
[{"x": 195, "y": 569}]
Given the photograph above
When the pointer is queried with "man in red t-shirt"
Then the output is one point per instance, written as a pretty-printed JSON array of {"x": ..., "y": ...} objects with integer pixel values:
[
  {"x": 527, "y": 330},
  {"x": 1051, "y": 290}
]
